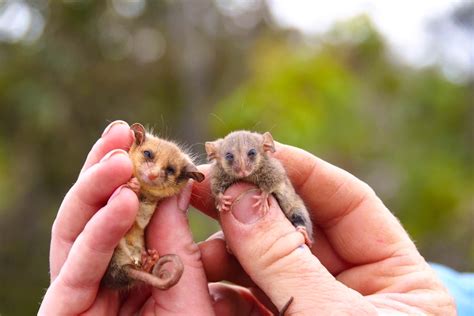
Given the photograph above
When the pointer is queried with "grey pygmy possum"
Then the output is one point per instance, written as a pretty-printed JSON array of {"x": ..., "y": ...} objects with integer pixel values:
[{"x": 246, "y": 156}]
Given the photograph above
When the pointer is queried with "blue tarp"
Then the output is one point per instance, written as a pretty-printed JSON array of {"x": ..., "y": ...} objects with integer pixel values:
[{"x": 460, "y": 285}]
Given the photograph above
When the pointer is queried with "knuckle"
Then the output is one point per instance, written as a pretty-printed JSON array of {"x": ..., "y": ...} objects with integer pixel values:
[
  {"x": 274, "y": 252},
  {"x": 192, "y": 255}
]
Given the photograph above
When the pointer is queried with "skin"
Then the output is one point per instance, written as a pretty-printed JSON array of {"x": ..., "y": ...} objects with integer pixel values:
[{"x": 363, "y": 262}]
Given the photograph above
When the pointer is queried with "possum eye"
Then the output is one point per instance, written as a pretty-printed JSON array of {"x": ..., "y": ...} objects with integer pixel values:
[
  {"x": 252, "y": 153},
  {"x": 148, "y": 154},
  {"x": 229, "y": 157},
  {"x": 169, "y": 170}
]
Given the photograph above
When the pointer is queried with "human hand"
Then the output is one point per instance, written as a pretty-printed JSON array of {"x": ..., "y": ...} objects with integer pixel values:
[
  {"x": 95, "y": 214},
  {"x": 362, "y": 261}
]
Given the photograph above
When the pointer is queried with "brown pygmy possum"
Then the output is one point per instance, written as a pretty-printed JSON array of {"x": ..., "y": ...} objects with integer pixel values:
[
  {"x": 244, "y": 156},
  {"x": 160, "y": 169}
]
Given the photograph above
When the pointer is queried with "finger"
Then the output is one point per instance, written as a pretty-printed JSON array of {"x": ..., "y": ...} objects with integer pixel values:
[
  {"x": 75, "y": 288},
  {"x": 87, "y": 195},
  {"x": 117, "y": 135},
  {"x": 169, "y": 233},
  {"x": 219, "y": 265},
  {"x": 235, "y": 300},
  {"x": 274, "y": 255},
  {"x": 401, "y": 273},
  {"x": 135, "y": 300},
  {"x": 201, "y": 197},
  {"x": 355, "y": 221},
  {"x": 106, "y": 303}
]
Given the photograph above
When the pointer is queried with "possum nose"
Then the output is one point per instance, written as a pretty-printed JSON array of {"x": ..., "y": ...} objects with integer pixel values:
[
  {"x": 241, "y": 172},
  {"x": 152, "y": 176}
]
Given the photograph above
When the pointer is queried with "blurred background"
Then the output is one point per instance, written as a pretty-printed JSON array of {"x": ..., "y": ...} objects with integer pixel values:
[{"x": 382, "y": 89}]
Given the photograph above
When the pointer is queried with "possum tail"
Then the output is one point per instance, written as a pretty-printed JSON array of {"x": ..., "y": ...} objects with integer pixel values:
[
  {"x": 285, "y": 307},
  {"x": 160, "y": 277}
]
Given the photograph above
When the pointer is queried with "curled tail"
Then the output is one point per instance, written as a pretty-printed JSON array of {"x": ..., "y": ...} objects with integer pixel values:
[{"x": 160, "y": 277}]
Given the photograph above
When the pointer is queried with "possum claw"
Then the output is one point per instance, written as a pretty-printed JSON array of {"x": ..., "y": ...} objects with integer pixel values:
[{"x": 303, "y": 231}]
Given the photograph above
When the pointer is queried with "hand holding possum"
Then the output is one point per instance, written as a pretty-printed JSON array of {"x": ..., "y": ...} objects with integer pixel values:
[{"x": 96, "y": 212}]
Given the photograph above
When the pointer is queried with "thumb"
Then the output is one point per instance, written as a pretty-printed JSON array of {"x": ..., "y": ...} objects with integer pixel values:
[{"x": 275, "y": 256}]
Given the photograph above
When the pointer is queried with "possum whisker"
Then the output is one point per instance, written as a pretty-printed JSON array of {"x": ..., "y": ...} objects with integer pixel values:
[{"x": 218, "y": 118}]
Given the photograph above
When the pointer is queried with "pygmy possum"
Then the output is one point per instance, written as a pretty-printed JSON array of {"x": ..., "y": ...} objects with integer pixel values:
[
  {"x": 245, "y": 156},
  {"x": 160, "y": 169}
]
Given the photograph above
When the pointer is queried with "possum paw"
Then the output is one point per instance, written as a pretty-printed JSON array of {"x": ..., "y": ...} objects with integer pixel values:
[
  {"x": 134, "y": 185},
  {"x": 262, "y": 202},
  {"x": 223, "y": 202},
  {"x": 149, "y": 258}
]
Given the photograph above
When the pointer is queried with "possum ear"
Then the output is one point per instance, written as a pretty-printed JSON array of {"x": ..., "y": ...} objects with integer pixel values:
[
  {"x": 211, "y": 149},
  {"x": 268, "y": 144},
  {"x": 191, "y": 172},
  {"x": 139, "y": 133}
]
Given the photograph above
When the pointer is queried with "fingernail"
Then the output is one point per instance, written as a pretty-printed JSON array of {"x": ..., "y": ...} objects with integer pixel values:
[
  {"x": 243, "y": 210},
  {"x": 117, "y": 192},
  {"x": 216, "y": 297},
  {"x": 114, "y": 123},
  {"x": 216, "y": 235},
  {"x": 112, "y": 153}
]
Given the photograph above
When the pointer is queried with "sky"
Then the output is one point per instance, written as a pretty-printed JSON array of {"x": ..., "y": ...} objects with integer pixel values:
[{"x": 403, "y": 23}]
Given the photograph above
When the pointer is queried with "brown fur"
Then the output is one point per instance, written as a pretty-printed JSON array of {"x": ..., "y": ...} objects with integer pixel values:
[
  {"x": 170, "y": 169},
  {"x": 260, "y": 169}
]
